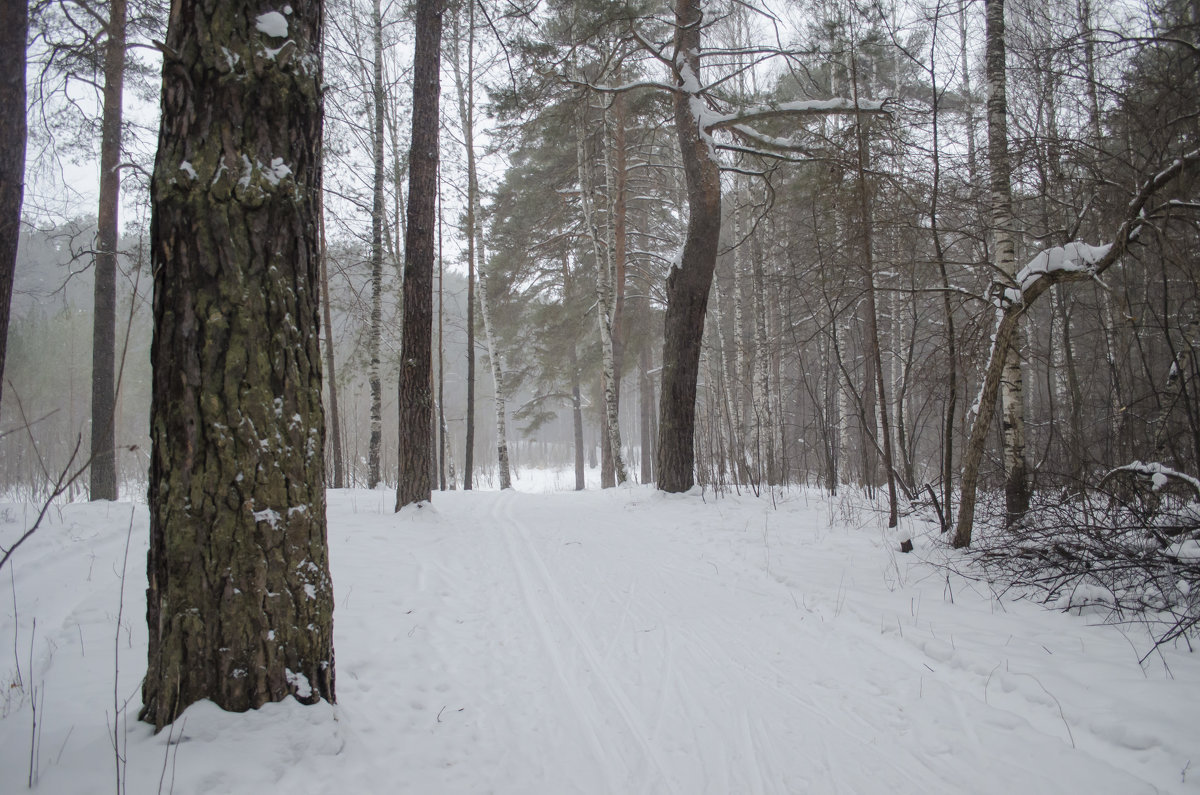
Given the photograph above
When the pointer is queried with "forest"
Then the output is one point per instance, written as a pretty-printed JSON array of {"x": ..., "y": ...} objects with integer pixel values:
[{"x": 941, "y": 254}]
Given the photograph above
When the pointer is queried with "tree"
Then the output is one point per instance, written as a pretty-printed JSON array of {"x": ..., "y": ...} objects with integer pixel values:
[
  {"x": 687, "y": 284},
  {"x": 14, "y": 25},
  {"x": 1012, "y": 410},
  {"x": 464, "y": 85},
  {"x": 103, "y": 475},
  {"x": 416, "y": 383},
  {"x": 378, "y": 210},
  {"x": 240, "y": 601}
]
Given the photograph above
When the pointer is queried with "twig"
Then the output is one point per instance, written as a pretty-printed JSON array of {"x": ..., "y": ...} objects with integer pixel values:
[{"x": 120, "y": 760}]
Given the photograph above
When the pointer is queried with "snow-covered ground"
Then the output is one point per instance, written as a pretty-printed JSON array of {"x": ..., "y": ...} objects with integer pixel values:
[{"x": 623, "y": 641}]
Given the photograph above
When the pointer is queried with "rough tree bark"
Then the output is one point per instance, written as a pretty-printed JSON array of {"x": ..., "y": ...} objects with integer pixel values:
[
  {"x": 687, "y": 284},
  {"x": 416, "y": 385},
  {"x": 103, "y": 469},
  {"x": 240, "y": 602},
  {"x": 14, "y": 25}
]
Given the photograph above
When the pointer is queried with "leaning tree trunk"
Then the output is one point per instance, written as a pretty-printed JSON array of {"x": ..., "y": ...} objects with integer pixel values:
[
  {"x": 416, "y": 384},
  {"x": 240, "y": 602},
  {"x": 103, "y": 470},
  {"x": 14, "y": 25},
  {"x": 688, "y": 284}
]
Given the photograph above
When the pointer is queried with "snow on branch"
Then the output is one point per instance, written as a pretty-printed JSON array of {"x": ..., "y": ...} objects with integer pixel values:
[
  {"x": 1071, "y": 257},
  {"x": 1078, "y": 261},
  {"x": 811, "y": 107},
  {"x": 1158, "y": 474}
]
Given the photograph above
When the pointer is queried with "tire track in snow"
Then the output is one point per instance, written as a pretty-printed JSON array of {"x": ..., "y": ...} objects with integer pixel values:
[{"x": 514, "y": 532}]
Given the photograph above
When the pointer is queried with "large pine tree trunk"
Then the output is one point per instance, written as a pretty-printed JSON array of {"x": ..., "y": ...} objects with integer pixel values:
[
  {"x": 239, "y": 603},
  {"x": 14, "y": 25},
  {"x": 374, "y": 475},
  {"x": 103, "y": 473},
  {"x": 416, "y": 384},
  {"x": 688, "y": 284}
]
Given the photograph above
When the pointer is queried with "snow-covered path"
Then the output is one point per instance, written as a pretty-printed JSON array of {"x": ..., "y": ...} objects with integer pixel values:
[{"x": 628, "y": 641}]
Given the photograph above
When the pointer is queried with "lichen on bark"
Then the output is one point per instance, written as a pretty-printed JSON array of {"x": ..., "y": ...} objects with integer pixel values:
[{"x": 240, "y": 602}]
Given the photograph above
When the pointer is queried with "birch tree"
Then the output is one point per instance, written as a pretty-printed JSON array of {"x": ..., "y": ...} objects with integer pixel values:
[{"x": 378, "y": 212}]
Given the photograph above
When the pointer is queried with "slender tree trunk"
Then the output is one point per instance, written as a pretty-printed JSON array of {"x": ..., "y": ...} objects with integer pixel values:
[
  {"x": 577, "y": 422},
  {"x": 873, "y": 346},
  {"x": 441, "y": 368},
  {"x": 687, "y": 285},
  {"x": 465, "y": 88},
  {"x": 1012, "y": 395},
  {"x": 416, "y": 385},
  {"x": 240, "y": 603},
  {"x": 969, "y": 103},
  {"x": 497, "y": 380},
  {"x": 14, "y": 26},
  {"x": 764, "y": 449},
  {"x": 335, "y": 424},
  {"x": 378, "y": 209},
  {"x": 646, "y": 395},
  {"x": 103, "y": 481},
  {"x": 604, "y": 309}
]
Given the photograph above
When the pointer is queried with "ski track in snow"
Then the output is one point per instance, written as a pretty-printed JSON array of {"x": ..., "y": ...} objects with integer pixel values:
[{"x": 623, "y": 641}]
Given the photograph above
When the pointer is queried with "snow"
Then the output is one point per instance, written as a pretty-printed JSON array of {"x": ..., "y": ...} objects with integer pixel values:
[
  {"x": 1159, "y": 474},
  {"x": 1071, "y": 257},
  {"x": 272, "y": 23},
  {"x": 607, "y": 642}
]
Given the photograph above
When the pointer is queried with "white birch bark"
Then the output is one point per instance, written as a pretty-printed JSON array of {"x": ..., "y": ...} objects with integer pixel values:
[
  {"x": 604, "y": 298},
  {"x": 763, "y": 451},
  {"x": 494, "y": 357},
  {"x": 1012, "y": 392},
  {"x": 374, "y": 474}
]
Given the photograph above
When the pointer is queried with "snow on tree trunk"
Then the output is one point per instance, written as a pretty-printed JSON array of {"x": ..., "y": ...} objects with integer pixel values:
[{"x": 240, "y": 603}]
